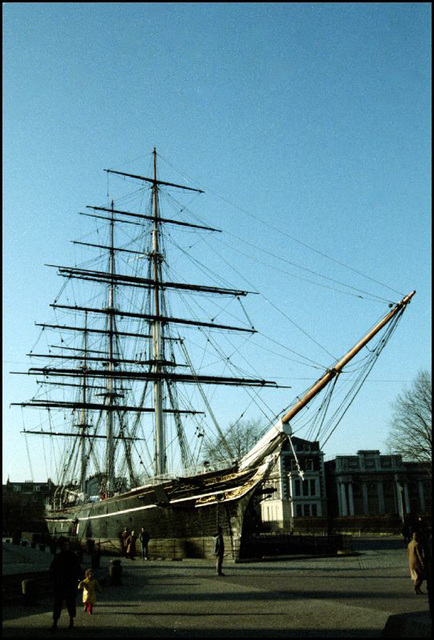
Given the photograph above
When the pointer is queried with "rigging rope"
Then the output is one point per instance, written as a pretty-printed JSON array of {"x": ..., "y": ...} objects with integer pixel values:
[
  {"x": 326, "y": 429},
  {"x": 205, "y": 399},
  {"x": 286, "y": 234}
]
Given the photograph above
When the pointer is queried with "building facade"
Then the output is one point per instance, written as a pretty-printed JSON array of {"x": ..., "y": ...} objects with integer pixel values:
[
  {"x": 371, "y": 484},
  {"x": 23, "y": 506},
  {"x": 367, "y": 491}
]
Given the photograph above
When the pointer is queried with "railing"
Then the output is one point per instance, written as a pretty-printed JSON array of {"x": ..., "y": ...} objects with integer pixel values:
[
  {"x": 295, "y": 544},
  {"x": 190, "y": 471}
]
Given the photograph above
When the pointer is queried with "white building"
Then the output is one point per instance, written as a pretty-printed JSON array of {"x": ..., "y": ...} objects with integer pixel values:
[{"x": 294, "y": 495}]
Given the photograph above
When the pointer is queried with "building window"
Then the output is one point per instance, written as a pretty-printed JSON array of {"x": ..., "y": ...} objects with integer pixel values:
[
  {"x": 285, "y": 488},
  {"x": 312, "y": 487},
  {"x": 17, "y": 488},
  {"x": 306, "y": 488},
  {"x": 306, "y": 509}
]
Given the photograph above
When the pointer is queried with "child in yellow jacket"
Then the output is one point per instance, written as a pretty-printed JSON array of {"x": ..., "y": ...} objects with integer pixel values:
[{"x": 89, "y": 585}]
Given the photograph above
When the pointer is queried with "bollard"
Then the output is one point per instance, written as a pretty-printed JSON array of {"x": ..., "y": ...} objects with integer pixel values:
[
  {"x": 29, "y": 590},
  {"x": 115, "y": 572}
]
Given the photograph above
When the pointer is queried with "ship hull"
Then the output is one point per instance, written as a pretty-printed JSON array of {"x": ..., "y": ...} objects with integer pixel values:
[{"x": 181, "y": 516}]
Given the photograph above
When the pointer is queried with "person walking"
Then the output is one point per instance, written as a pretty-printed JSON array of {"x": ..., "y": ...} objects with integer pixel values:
[
  {"x": 65, "y": 572},
  {"x": 416, "y": 561},
  {"x": 124, "y": 537},
  {"x": 406, "y": 532},
  {"x": 131, "y": 546},
  {"x": 90, "y": 585},
  {"x": 219, "y": 550},
  {"x": 144, "y": 538}
]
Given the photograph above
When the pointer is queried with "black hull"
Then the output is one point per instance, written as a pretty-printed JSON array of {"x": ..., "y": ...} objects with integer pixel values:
[{"x": 181, "y": 522}]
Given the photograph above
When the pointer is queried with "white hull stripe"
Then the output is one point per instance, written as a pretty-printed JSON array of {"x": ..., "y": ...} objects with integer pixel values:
[{"x": 152, "y": 506}]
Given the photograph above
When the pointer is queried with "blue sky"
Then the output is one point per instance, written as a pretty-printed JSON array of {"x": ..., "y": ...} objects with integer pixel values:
[{"x": 308, "y": 126}]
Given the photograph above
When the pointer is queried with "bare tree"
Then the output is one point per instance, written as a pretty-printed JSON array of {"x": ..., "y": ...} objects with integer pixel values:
[
  {"x": 239, "y": 437},
  {"x": 411, "y": 424}
]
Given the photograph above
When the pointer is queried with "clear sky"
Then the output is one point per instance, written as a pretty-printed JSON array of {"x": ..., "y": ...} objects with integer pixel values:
[{"x": 308, "y": 127}]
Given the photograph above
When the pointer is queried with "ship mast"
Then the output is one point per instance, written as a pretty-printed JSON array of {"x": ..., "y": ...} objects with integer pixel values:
[
  {"x": 104, "y": 368},
  {"x": 83, "y": 422},
  {"x": 109, "y": 380},
  {"x": 157, "y": 258}
]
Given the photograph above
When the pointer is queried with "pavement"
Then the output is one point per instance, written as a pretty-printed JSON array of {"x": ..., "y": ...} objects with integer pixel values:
[{"x": 364, "y": 595}]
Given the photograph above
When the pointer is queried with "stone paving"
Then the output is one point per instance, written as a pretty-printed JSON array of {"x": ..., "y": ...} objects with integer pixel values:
[{"x": 348, "y": 596}]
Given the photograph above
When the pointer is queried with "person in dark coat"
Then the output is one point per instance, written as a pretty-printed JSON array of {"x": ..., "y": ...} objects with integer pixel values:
[
  {"x": 407, "y": 532},
  {"x": 144, "y": 538},
  {"x": 65, "y": 572},
  {"x": 219, "y": 550}
]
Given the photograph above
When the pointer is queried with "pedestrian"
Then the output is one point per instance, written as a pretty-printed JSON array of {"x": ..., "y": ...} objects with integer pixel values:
[
  {"x": 65, "y": 572},
  {"x": 90, "y": 585},
  {"x": 131, "y": 546},
  {"x": 420, "y": 527},
  {"x": 428, "y": 568},
  {"x": 406, "y": 532},
  {"x": 144, "y": 538},
  {"x": 124, "y": 537},
  {"x": 416, "y": 561},
  {"x": 219, "y": 550}
]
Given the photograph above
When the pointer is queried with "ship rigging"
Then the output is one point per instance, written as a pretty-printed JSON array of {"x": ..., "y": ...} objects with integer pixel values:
[{"x": 122, "y": 377}]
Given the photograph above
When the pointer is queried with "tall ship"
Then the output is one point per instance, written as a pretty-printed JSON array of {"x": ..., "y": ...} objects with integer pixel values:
[{"x": 125, "y": 392}]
